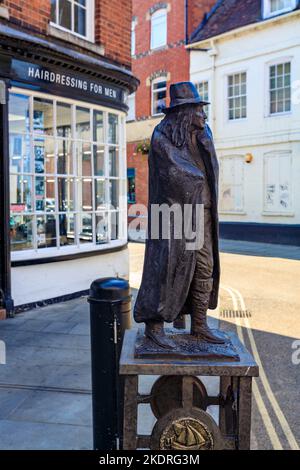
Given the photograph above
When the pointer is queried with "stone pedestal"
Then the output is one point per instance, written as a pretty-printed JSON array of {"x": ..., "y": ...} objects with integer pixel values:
[{"x": 179, "y": 400}]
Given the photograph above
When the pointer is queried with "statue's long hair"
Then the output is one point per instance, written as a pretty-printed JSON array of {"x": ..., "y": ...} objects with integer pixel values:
[{"x": 176, "y": 125}]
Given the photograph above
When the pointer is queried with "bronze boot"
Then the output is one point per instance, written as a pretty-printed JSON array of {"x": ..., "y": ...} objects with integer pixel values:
[
  {"x": 199, "y": 305},
  {"x": 154, "y": 330}
]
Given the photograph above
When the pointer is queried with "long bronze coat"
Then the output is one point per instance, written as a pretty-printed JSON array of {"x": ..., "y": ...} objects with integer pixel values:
[{"x": 174, "y": 177}]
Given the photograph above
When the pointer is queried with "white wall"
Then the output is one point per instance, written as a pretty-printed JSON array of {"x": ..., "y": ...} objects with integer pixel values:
[
  {"x": 46, "y": 281},
  {"x": 252, "y": 50}
]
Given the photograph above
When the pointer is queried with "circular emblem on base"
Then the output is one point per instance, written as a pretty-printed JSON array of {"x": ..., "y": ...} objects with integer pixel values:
[{"x": 186, "y": 429}]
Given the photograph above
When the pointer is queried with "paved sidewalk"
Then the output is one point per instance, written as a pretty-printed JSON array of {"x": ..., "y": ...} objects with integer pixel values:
[{"x": 45, "y": 387}]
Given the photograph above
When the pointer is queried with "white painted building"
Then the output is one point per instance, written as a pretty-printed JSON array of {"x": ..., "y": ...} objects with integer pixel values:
[{"x": 245, "y": 58}]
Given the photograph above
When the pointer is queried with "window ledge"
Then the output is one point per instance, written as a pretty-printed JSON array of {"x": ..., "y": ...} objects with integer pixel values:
[
  {"x": 278, "y": 214},
  {"x": 65, "y": 254},
  {"x": 232, "y": 212},
  {"x": 57, "y": 32}
]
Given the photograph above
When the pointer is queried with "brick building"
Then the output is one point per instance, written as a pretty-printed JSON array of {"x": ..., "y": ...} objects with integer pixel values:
[
  {"x": 160, "y": 31},
  {"x": 64, "y": 80}
]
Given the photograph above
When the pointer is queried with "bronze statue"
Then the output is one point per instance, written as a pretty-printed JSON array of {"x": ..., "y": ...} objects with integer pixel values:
[{"x": 183, "y": 170}]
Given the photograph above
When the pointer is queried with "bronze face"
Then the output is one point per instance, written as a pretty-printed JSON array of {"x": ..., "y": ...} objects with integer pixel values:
[{"x": 199, "y": 118}]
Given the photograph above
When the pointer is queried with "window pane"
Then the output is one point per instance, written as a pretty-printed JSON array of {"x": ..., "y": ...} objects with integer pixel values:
[
  {"x": 21, "y": 232},
  {"x": 64, "y": 157},
  {"x": 114, "y": 220},
  {"x": 65, "y": 13},
  {"x": 20, "y": 153},
  {"x": 83, "y": 128},
  {"x": 44, "y": 156},
  {"x": 159, "y": 29},
  {"x": 46, "y": 231},
  {"x": 53, "y": 11},
  {"x": 98, "y": 133},
  {"x": 98, "y": 160},
  {"x": 80, "y": 20},
  {"x": 44, "y": 194},
  {"x": 65, "y": 194},
  {"x": 99, "y": 194},
  {"x": 101, "y": 229},
  {"x": 114, "y": 194},
  {"x": 159, "y": 93},
  {"x": 86, "y": 194},
  {"x": 85, "y": 228},
  {"x": 84, "y": 158},
  {"x": 18, "y": 113},
  {"x": 113, "y": 161},
  {"x": 20, "y": 193},
  {"x": 63, "y": 120},
  {"x": 66, "y": 229},
  {"x": 43, "y": 116},
  {"x": 113, "y": 129}
]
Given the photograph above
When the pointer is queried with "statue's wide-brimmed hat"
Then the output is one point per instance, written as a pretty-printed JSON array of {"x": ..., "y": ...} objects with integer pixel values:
[{"x": 183, "y": 93}]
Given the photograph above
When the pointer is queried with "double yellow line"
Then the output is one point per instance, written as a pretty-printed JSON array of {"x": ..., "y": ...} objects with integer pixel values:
[{"x": 237, "y": 298}]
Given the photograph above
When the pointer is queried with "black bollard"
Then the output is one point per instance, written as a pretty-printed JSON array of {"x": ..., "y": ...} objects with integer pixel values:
[{"x": 110, "y": 316}]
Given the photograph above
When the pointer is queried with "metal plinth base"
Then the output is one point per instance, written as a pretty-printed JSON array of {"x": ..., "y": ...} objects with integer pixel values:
[{"x": 179, "y": 399}]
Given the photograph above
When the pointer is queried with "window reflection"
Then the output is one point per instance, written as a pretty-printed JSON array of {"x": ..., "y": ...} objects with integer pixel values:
[
  {"x": 64, "y": 120},
  {"x": 43, "y": 116},
  {"x": 64, "y": 157},
  {"x": 83, "y": 127},
  {"x": 46, "y": 231},
  {"x": 85, "y": 228},
  {"x": 113, "y": 161},
  {"x": 113, "y": 128},
  {"x": 67, "y": 229},
  {"x": 21, "y": 232},
  {"x": 101, "y": 228}
]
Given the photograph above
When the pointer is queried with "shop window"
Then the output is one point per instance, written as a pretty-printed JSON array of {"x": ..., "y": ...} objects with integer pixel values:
[
  {"x": 76, "y": 16},
  {"x": 159, "y": 94},
  {"x": 277, "y": 182},
  {"x": 131, "y": 186},
  {"x": 231, "y": 183},
  {"x": 280, "y": 88},
  {"x": 65, "y": 174},
  {"x": 159, "y": 28}
]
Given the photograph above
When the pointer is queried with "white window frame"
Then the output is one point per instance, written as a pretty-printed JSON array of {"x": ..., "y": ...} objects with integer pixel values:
[
  {"x": 198, "y": 83},
  {"x": 38, "y": 253},
  {"x": 131, "y": 108},
  {"x": 268, "y": 65},
  {"x": 232, "y": 74},
  {"x": 277, "y": 211},
  {"x": 154, "y": 82},
  {"x": 267, "y": 9},
  {"x": 90, "y": 21},
  {"x": 154, "y": 18},
  {"x": 241, "y": 210}
]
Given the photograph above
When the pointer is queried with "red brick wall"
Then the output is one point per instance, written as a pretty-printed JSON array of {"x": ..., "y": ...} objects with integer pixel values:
[
  {"x": 112, "y": 23},
  {"x": 197, "y": 9},
  {"x": 33, "y": 14},
  {"x": 113, "y": 28}
]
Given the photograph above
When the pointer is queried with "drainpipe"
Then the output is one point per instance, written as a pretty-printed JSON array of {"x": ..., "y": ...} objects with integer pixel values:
[
  {"x": 186, "y": 14},
  {"x": 5, "y": 265},
  {"x": 212, "y": 52}
]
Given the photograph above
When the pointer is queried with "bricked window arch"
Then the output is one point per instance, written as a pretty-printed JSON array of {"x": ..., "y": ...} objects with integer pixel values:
[
  {"x": 75, "y": 16},
  {"x": 159, "y": 28}
]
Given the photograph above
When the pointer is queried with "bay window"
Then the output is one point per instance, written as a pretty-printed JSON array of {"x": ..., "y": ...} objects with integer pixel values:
[{"x": 67, "y": 174}]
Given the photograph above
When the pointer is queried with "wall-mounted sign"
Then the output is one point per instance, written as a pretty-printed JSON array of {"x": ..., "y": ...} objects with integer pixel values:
[{"x": 67, "y": 83}]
